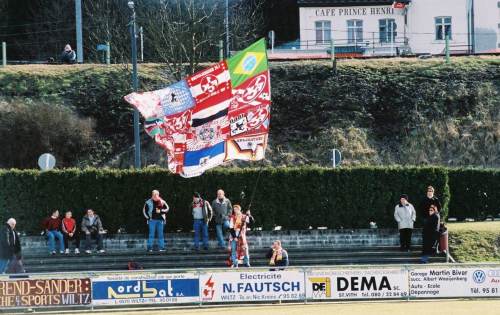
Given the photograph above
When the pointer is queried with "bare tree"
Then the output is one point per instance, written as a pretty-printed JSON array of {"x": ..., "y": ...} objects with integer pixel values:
[
  {"x": 107, "y": 21},
  {"x": 183, "y": 33}
]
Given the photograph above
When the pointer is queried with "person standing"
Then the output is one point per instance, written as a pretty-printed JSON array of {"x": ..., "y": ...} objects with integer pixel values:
[
  {"x": 405, "y": 216},
  {"x": 429, "y": 200},
  {"x": 10, "y": 244},
  {"x": 155, "y": 211},
  {"x": 222, "y": 209},
  {"x": 277, "y": 255},
  {"x": 202, "y": 214},
  {"x": 70, "y": 232},
  {"x": 430, "y": 233},
  {"x": 238, "y": 244},
  {"x": 92, "y": 228},
  {"x": 52, "y": 227}
]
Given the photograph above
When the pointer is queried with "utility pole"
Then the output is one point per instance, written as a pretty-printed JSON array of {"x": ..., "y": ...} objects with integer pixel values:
[
  {"x": 79, "y": 39},
  {"x": 226, "y": 22},
  {"x": 141, "y": 32},
  {"x": 4, "y": 54},
  {"x": 135, "y": 86}
]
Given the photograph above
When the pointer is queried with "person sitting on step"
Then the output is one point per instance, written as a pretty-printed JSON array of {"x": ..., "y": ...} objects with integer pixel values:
[
  {"x": 52, "y": 228},
  {"x": 92, "y": 228},
  {"x": 277, "y": 256}
]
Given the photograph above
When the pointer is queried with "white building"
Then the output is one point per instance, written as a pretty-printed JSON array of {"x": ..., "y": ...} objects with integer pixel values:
[{"x": 383, "y": 27}]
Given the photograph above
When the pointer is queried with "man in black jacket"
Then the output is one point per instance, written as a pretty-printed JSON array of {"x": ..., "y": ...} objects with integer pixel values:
[
  {"x": 429, "y": 200},
  {"x": 10, "y": 244},
  {"x": 430, "y": 234}
]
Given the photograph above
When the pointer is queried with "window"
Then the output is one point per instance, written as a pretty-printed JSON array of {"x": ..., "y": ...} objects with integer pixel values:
[
  {"x": 323, "y": 32},
  {"x": 387, "y": 30},
  {"x": 354, "y": 31},
  {"x": 443, "y": 27}
]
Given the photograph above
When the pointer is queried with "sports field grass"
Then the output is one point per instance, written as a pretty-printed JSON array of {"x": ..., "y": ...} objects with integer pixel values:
[
  {"x": 449, "y": 307},
  {"x": 486, "y": 226}
]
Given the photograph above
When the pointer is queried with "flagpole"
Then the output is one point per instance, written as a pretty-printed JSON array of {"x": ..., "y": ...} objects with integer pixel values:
[
  {"x": 226, "y": 20},
  {"x": 135, "y": 87}
]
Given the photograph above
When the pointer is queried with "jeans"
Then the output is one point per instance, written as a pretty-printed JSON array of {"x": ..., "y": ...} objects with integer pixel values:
[
  {"x": 234, "y": 259},
  {"x": 3, "y": 265},
  {"x": 156, "y": 226},
  {"x": 199, "y": 224},
  {"x": 220, "y": 233},
  {"x": 88, "y": 240},
  {"x": 52, "y": 235},
  {"x": 75, "y": 237}
]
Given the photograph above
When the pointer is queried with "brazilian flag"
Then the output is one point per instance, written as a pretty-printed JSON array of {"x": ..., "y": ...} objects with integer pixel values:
[{"x": 248, "y": 63}]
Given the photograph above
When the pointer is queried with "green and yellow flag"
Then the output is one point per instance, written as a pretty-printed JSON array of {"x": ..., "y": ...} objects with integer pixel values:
[{"x": 248, "y": 63}]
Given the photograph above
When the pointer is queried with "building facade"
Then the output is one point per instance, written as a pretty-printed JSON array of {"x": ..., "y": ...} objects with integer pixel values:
[{"x": 386, "y": 27}]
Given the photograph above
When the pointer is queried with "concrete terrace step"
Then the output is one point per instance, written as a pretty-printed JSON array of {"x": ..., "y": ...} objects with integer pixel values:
[{"x": 221, "y": 264}]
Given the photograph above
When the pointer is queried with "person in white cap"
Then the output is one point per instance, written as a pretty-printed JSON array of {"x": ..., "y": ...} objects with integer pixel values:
[{"x": 10, "y": 244}]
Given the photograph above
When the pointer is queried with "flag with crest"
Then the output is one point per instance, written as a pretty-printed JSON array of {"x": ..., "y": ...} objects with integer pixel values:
[{"x": 219, "y": 114}]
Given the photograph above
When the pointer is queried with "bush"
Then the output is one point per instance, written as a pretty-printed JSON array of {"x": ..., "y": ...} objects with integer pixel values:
[
  {"x": 29, "y": 129},
  {"x": 294, "y": 198},
  {"x": 476, "y": 193}
]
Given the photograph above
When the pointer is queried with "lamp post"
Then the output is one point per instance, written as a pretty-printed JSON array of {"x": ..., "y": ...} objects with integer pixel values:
[
  {"x": 226, "y": 22},
  {"x": 135, "y": 86}
]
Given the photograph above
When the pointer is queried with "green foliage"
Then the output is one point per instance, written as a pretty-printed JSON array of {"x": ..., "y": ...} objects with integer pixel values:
[
  {"x": 408, "y": 112},
  {"x": 29, "y": 129},
  {"x": 476, "y": 192},
  {"x": 294, "y": 198},
  {"x": 475, "y": 246}
]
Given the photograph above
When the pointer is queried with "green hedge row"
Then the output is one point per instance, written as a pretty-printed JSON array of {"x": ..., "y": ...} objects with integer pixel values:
[
  {"x": 294, "y": 198},
  {"x": 476, "y": 193}
]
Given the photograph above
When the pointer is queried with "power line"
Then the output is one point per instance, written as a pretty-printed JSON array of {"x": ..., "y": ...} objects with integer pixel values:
[
  {"x": 29, "y": 24},
  {"x": 39, "y": 32}
]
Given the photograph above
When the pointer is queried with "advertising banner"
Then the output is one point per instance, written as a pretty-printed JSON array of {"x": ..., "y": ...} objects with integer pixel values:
[
  {"x": 145, "y": 289},
  {"x": 455, "y": 281},
  {"x": 44, "y": 292},
  {"x": 252, "y": 286},
  {"x": 338, "y": 284}
]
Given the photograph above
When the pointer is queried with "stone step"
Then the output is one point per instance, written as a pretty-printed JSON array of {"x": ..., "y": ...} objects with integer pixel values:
[{"x": 221, "y": 264}]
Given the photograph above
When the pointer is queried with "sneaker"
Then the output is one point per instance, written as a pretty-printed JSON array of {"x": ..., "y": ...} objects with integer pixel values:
[
  {"x": 88, "y": 251},
  {"x": 161, "y": 250},
  {"x": 101, "y": 251},
  {"x": 77, "y": 251},
  {"x": 66, "y": 251},
  {"x": 53, "y": 252},
  {"x": 150, "y": 250}
]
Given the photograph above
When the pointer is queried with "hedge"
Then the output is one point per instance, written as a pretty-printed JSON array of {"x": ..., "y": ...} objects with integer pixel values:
[
  {"x": 294, "y": 198},
  {"x": 476, "y": 193}
]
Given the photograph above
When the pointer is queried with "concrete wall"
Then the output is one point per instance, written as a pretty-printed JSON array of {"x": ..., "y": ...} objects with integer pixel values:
[{"x": 258, "y": 239}]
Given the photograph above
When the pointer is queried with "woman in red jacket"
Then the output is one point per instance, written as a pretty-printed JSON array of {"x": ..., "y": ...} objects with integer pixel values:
[{"x": 70, "y": 232}]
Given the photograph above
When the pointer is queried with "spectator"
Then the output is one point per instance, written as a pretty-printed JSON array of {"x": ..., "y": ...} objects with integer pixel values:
[
  {"x": 155, "y": 211},
  {"x": 10, "y": 245},
  {"x": 427, "y": 202},
  {"x": 277, "y": 255},
  {"x": 70, "y": 232},
  {"x": 430, "y": 234},
  {"x": 92, "y": 227},
  {"x": 222, "y": 209},
  {"x": 405, "y": 215},
  {"x": 52, "y": 227},
  {"x": 238, "y": 244},
  {"x": 68, "y": 56},
  {"x": 202, "y": 214}
]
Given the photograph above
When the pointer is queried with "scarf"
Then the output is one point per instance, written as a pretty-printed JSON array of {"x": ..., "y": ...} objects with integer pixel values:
[{"x": 277, "y": 256}]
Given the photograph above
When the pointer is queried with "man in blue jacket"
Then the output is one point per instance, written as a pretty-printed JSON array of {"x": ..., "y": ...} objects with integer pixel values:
[{"x": 155, "y": 211}]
